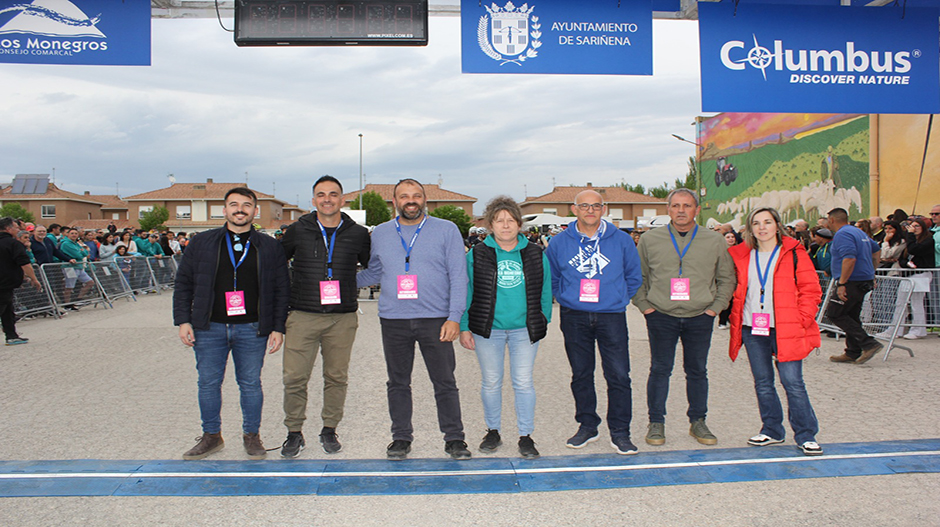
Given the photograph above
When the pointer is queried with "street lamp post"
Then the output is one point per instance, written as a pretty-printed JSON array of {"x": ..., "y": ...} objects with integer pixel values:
[
  {"x": 698, "y": 167},
  {"x": 361, "y": 207}
]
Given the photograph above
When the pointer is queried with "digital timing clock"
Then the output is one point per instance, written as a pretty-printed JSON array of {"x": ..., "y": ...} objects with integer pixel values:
[{"x": 331, "y": 22}]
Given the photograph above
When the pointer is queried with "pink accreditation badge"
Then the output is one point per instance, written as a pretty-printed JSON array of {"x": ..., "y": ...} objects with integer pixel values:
[
  {"x": 760, "y": 324},
  {"x": 679, "y": 289},
  {"x": 329, "y": 292},
  {"x": 234, "y": 303},
  {"x": 590, "y": 290},
  {"x": 407, "y": 286}
]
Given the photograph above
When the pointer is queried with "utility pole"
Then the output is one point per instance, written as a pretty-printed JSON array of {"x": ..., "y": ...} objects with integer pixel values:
[{"x": 361, "y": 207}]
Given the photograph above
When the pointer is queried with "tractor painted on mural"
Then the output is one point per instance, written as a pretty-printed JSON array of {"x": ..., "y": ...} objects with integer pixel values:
[{"x": 725, "y": 172}]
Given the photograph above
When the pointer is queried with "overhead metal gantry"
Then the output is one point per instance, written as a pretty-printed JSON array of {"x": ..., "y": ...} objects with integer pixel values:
[{"x": 448, "y": 8}]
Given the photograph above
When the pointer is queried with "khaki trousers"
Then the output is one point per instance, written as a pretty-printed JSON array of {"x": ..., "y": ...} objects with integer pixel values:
[{"x": 307, "y": 333}]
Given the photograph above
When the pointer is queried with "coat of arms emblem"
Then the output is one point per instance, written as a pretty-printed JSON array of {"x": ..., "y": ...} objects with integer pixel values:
[{"x": 509, "y": 33}]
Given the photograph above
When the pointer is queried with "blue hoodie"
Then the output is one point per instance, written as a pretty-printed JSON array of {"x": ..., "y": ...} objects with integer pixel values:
[{"x": 618, "y": 268}]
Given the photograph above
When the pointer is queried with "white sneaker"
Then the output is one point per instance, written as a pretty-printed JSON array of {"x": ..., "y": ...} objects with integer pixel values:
[
  {"x": 811, "y": 448},
  {"x": 884, "y": 335},
  {"x": 763, "y": 440},
  {"x": 912, "y": 336},
  {"x": 722, "y": 326}
]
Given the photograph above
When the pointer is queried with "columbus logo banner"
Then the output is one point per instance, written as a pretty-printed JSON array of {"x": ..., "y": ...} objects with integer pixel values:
[
  {"x": 103, "y": 32},
  {"x": 557, "y": 36},
  {"x": 813, "y": 59}
]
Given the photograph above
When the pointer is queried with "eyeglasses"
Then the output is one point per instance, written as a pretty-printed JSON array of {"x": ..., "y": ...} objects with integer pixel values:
[
  {"x": 935, "y": 213},
  {"x": 592, "y": 206}
]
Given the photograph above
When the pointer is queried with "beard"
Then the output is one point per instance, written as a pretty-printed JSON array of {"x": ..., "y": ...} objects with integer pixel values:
[
  {"x": 240, "y": 220},
  {"x": 411, "y": 215}
]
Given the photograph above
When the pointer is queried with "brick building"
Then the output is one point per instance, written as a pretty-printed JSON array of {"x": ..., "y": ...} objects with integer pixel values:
[
  {"x": 623, "y": 206},
  {"x": 435, "y": 196}
]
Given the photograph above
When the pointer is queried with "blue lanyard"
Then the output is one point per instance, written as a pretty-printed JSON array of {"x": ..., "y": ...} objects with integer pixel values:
[
  {"x": 763, "y": 277},
  {"x": 409, "y": 246},
  {"x": 676, "y": 245},
  {"x": 329, "y": 247},
  {"x": 231, "y": 255}
]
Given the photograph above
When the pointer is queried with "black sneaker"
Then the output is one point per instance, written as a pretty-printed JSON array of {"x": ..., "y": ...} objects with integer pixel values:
[
  {"x": 582, "y": 438},
  {"x": 328, "y": 440},
  {"x": 398, "y": 449},
  {"x": 17, "y": 340},
  {"x": 457, "y": 449},
  {"x": 527, "y": 448},
  {"x": 491, "y": 442},
  {"x": 293, "y": 445},
  {"x": 623, "y": 445}
]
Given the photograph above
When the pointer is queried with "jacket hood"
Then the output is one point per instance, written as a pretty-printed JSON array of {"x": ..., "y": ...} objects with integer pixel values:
[
  {"x": 572, "y": 230},
  {"x": 522, "y": 242}
]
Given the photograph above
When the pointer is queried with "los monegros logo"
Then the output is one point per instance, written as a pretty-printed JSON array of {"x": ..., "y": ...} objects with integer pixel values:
[
  {"x": 50, "y": 27},
  {"x": 822, "y": 66}
]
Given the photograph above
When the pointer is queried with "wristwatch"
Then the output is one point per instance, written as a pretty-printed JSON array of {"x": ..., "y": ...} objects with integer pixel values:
[{"x": 840, "y": 285}]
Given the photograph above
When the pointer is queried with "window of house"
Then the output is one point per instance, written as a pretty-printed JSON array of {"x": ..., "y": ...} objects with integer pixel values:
[
  {"x": 183, "y": 212},
  {"x": 115, "y": 215},
  {"x": 216, "y": 212},
  {"x": 143, "y": 210},
  {"x": 616, "y": 214},
  {"x": 548, "y": 210},
  {"x": 257, "y": 212},
  {"x": 48, "y": 211}
]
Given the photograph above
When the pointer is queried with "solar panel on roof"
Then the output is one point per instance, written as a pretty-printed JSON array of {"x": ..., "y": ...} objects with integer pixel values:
[{"x": 30, "y": 184}]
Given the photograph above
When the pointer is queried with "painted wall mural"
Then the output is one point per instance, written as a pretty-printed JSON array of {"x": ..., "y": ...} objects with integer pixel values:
[{"x": 801, "y": 164}]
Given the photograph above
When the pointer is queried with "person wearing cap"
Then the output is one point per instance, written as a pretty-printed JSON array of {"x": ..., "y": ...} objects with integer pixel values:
[
  {"x": 326, "y": 246},
  {"x": 822, "y": 258}
]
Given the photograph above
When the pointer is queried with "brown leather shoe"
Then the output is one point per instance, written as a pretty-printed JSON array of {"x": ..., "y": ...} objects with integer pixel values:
[
  {"x": 207, "y": 444},
  {"x": 869, "y": 353},
  {"x": 841, "y": 358},
  {"x": 254, "y": 447}
]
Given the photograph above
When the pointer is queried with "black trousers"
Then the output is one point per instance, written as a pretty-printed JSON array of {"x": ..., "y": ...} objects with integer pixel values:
[
  {"x": 7, "y": 316},
  {"x": 398, "y": 338},
  {"x": 847, "y": 315}
]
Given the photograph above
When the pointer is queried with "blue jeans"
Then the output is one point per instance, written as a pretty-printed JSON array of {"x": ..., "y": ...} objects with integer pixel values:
[
  {"x": 665, "y": 331},
  {"x": 581, "y": 329},
  {"x": 760, "y": 353},
  {"x": 212, "y": 348},
  {"x": 490, "y": 353}
]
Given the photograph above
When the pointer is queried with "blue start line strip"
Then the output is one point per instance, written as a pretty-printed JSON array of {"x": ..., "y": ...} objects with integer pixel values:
[{"x": 443, "y": 476}]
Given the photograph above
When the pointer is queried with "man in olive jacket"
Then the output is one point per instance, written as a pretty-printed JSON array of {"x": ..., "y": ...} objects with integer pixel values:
[{"x": 325, "y": 246}]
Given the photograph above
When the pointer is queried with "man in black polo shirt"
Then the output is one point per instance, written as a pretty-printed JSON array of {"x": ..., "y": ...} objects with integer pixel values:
[
  {"x": 231, "y": 295},
  {"x": 14, "y": 264}
]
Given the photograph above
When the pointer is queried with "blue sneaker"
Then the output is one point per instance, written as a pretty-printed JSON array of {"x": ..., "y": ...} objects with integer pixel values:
[
  {"x": 17, "y": 340},
  {"x": 582, "y": 438}
]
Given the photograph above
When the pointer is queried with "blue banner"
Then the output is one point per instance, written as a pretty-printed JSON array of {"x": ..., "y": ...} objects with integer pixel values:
[
  {"x": 816, "y": 59},
  {"x": 101, "y": 32},
  {"x": 557, "y": 36}
]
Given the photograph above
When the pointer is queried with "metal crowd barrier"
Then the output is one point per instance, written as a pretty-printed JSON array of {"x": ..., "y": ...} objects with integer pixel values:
[
  {"x": 111, "y": 279},
  {"x": 929, "y": 299},
  {"x": 878, "y": 308},
  {"x": 71, "y": 285},
  {"x": 138, "y": 275},
  {"x": 163, "y": 271},
  {"x": 28, "y": 301}
]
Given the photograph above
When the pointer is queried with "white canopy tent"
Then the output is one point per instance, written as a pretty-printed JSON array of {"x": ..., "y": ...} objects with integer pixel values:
[{"x": 544, "y": 220}]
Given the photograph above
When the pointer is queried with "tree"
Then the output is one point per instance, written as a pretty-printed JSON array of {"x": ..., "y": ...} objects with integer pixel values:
[
  {"x": 376, "y": 209},
  {"x": 17, "y": 212},
  {"x": 155, "y": 218},
  {"x": 456, "y": 215},
  {"x": 660, "y": 192},
  {"x": 638, "y": 188}
]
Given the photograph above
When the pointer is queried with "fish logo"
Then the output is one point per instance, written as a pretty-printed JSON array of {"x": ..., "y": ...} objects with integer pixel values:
[{"x": 51, "y": 18}]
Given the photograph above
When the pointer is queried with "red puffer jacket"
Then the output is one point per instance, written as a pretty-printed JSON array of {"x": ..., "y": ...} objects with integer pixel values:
[{"x": 796, "y": 301}]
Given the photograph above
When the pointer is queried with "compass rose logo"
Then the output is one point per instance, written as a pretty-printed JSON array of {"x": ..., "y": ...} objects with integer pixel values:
[{"x": 758, "y": 57}]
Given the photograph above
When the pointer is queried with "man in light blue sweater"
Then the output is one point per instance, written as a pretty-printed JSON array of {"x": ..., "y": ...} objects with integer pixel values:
[{"x": 420, "y": 263}]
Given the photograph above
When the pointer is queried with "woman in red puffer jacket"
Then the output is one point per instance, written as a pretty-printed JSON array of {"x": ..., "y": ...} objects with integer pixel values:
[{"x": 774, "y": 316}]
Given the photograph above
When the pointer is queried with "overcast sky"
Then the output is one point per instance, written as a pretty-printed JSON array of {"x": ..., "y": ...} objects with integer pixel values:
[{"x": 208, "y": 109}]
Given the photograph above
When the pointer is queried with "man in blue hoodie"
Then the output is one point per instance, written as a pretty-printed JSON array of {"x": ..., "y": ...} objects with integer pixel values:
[{"x": 595, "y": 272}]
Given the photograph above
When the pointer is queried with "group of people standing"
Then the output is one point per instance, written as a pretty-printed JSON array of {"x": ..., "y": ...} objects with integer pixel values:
[{"x": 234, "y": 295}]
